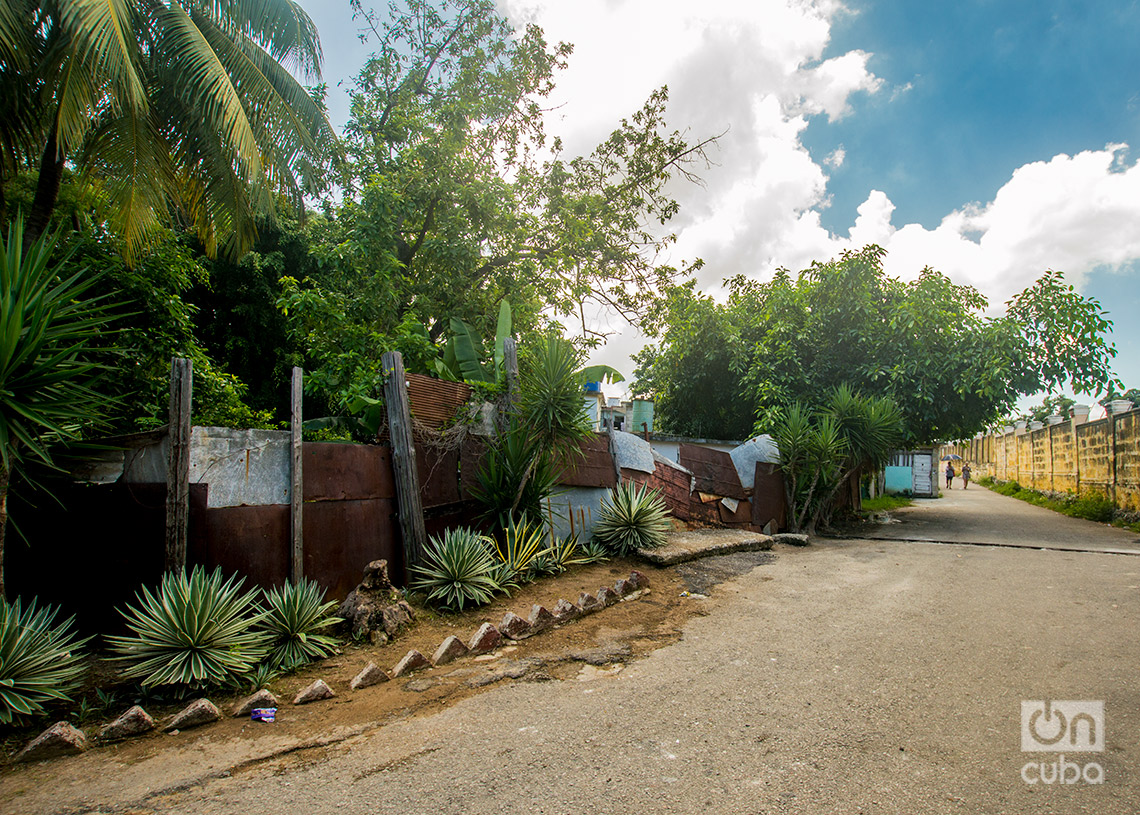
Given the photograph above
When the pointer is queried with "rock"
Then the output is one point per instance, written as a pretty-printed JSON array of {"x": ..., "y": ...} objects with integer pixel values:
[
  {"x": 374, "y": 610},
  {"x": 623, "y": 587},
  {"x": 449, "y": 650},
  {"x": 589, "y": 604},
  {"x": 61, "y": 739},
  {"x": 607, "y": 596},
  {"x": 372, "y": 674},
  {"x": 198, "y": 712},
  {"x": 485, "y": 640},
  {"x": 770, "y": 529},
  {"x": 638, "y": 580},
  {"x": 565, "y": 611},
  {"x": 540, "y": 619},
  {"x": 132, "y": 723},
  {"x": 514, "y": 627},
  {"x": 790, "y": 538},
  {"x": 262, "y": 698},
  {"x": 316, "y": 692},
  {"x": 412, "y": 661}
]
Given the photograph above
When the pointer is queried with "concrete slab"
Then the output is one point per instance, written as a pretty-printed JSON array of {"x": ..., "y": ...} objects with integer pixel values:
[{"x": 685, "y": 545}]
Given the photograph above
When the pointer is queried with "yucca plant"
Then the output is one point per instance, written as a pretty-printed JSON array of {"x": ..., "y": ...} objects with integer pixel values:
[
  {"x": 566, "y": 553},
  {"x": 458, "y": 570},
  {"x": 295, "y": 615},
  {"x": 632, "y": 519},
  {"x": 518, "y": 544},
  {"x": 197, "y": 630},
  {"x": 39, "y": 660}
]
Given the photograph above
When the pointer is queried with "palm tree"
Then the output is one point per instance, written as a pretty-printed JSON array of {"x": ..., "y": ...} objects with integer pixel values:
[
  {"x": 47, "y": 375},
  {"x": 177, "y": 109}
]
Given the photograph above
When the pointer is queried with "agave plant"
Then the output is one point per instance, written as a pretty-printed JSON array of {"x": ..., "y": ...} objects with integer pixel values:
[
  {"x": 197, "y": 630},
  {"x": 458, "y": 570},
  {"x": 632, "y": 519},
  {"x": 519, "y": 543},
  {"x": 295, "y": 615},
  {"x": 592, "y": 551},
  {"x": 39, "y": 660}
]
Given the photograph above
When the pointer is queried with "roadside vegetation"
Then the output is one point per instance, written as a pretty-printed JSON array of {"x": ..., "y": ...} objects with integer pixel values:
[
  {"x": 886, "y": 503},
  {"x": 1094, "y": 507}
]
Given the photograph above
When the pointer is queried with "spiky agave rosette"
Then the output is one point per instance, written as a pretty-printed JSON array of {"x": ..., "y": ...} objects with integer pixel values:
[
  {"x": 632, "y": 518},
  {"x": 197, "y": 630}
]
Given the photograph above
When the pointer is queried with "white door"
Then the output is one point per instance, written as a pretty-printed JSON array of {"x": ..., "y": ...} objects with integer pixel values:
[{"x": 923, "y": 464}]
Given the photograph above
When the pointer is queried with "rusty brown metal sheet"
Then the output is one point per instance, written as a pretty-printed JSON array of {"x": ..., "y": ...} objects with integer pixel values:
[
  {"x": 338, "y": 472},
  {"x": 470, "y": 456},
  {"x": 433, "y": 401},
  {"x": 713, "y": 469},
  {"x": 741, "y": 517},
  {"x": 439, "y": 475},
  {"x": 254, "y": 542},
  {"x": 342, "y": 537},
  {"x": 594, "y": 468},
  {"x": 673, "y": 484},
  {"x": 768, "y": 502}
]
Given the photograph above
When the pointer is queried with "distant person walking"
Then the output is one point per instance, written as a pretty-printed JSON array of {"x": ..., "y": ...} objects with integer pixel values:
[
  {"x": 965, "y": 476},
  {"x": 949, "y": 475}
]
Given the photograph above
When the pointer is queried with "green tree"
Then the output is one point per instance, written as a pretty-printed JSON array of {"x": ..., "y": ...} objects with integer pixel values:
[
  {"x": 821, "y": 454},
  {"x": 925, "y": 344},
  {"x": 456, "y": 200},
  {"x": 49, "y": 374},
  {"x": 181, "y": 109}
]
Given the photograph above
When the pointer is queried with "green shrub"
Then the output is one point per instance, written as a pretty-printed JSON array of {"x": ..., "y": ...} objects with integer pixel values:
[
  {"x": 513, "y": 459},
  {"x": 459, "y": 570},
  {"x": 632, "y": 519},
  {"x": 39, "y": 660},
  {"x": 1093, "y": 507},
  {"x": 197, "y": 630},
  {"x": 295, "y": 615}
]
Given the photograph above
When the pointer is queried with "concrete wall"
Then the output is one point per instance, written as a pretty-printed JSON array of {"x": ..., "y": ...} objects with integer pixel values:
[{"x": 1101, "y": 458}]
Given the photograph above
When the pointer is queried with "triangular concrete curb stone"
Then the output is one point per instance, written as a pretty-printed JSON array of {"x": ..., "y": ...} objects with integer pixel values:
[
  {"x": 134, "y": 722},
  {"x": 195, "y": 714},
  {"x": 449, "y": 650},
  {"x": 263, "y": 698},
  {"x": 61, "y": 739},
  {"x": 412, "y": 661},
  {"x": 371, "y": 674},
  {"x": 316, "y": 692}
]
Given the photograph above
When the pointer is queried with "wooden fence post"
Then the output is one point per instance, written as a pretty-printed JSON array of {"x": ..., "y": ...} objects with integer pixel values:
[
  {"x": 296, "y": 488},
  {"x": 178, "y": 463},
  {"x": 408, "y": 500}
]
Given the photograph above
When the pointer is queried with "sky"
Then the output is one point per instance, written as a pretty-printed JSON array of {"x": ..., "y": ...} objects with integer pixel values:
[{"x": 989, "y": 139}]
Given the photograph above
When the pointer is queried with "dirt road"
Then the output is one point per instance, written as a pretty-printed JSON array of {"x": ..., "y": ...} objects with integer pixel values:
[{"x": 846, "y": 677}]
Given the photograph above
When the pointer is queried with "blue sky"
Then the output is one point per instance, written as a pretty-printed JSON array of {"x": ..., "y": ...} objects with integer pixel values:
[{"x": 991, "y": 139}]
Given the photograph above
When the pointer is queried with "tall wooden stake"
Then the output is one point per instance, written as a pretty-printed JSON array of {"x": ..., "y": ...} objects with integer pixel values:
[
  {"x": 178, "y": 464},
  {"x": 404, "y": 459},
  {"x": 296, "y": 490}
]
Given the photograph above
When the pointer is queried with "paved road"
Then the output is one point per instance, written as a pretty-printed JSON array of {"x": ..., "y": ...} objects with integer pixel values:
[
  {"x": 976, "y": 515},
  {"x": 847, "y": 677}
]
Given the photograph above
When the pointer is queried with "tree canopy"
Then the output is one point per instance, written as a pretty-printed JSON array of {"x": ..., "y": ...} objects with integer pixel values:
[
  {"x": 181, "y": 111},
  {"x": 926, "y": 344}
]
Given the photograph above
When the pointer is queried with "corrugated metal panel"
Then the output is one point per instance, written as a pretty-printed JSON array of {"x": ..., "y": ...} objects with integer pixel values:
[
  {"x": 435, "y": 401},
  {"x": 439, "y": 475},
  {"x": 714, "y": 470}
]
